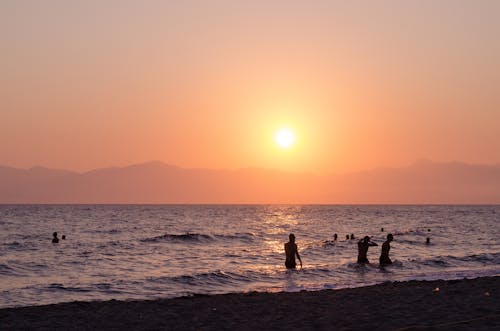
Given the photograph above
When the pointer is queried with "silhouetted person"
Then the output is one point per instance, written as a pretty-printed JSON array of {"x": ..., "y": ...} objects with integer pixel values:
[
  {"x": 346, "y": 237},
  {"x": 427, "y": 240},
  {"x": 381, "y": 229},
  {"x": 63, "y": 237},
  {"x": 55, "y": 240},
  {"x": 290, "y": 251},
  {"x": 363, "y": 245},
  {"x": 386, "y": 247},
  {"x": 352, "y": 236},
  {"x": 335, "y": 237}
]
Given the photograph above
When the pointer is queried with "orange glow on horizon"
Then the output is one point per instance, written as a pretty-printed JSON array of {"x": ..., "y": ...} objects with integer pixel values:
[{"x": 205, "y": 86}]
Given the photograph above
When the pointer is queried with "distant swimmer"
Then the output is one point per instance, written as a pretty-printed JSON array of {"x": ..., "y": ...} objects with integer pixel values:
[
  {"x": 427, "y": 240},
  {"x": 290, "y": 251},
  {"x": 63, "y": 237},
  {"x": 346, "y": 237},
  {"x": 335, "y": 237},
  {"x": 386, "y": 247},
  {"x": 352, "y": 236},
  {"x": 381, "y": 229},
  {"x": 55, "y": 240},
  {"x": 363, "y": 246}
]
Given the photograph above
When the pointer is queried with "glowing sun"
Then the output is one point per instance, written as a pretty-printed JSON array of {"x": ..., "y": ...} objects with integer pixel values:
[{"x": 284, "y": 138}]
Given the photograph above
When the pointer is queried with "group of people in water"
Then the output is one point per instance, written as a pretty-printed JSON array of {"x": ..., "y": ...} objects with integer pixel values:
[
  {"x": 55, "y": 239},
  {"x": 291, "y": 250}
]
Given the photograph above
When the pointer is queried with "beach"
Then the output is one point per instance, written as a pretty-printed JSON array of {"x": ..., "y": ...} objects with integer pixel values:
[{"x": 467, "y": 304}]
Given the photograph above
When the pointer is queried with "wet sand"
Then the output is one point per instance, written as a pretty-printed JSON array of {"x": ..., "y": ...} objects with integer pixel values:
[{"x": 415, "y": 305}]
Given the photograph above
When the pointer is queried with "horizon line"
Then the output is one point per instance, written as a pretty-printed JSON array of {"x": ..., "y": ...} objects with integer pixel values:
[{"x": 163, "y": 163}]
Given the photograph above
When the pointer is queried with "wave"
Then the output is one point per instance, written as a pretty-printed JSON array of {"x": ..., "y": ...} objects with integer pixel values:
[
  {"x": 57, "y": 286},
  {"x": 214, "y": 278},
  {"x": 105, "y": 231},
  {"x": 13, "y": 244},
  {"x": 453, "y": 261},
  {"x": 413, "y": 232},
  {"x": 199, "y": 237},
  {"x": 489, "y": 258},
  {"x": 246, "y": 236},
  {"x": 186, "y": 237},
  {"x": 20, "y": 268},
  {"x": 5, "y": 270}
]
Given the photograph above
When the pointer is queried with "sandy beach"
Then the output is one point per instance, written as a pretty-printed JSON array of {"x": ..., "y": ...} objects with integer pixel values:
[{"x": 416, "y": 305}]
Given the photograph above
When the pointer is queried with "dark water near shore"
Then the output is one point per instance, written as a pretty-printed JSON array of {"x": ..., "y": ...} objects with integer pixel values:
[{"x": 143, "y": 252}]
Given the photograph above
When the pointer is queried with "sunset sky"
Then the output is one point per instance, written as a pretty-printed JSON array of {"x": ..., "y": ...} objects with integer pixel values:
[{"x": 208, "y": 84}]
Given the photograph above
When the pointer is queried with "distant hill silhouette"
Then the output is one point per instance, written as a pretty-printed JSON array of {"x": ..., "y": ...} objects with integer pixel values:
[{"x": 155, "y": 182}]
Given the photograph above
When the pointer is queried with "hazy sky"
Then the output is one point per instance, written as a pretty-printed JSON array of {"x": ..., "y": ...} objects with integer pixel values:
[{"x": 88, "y": 84}]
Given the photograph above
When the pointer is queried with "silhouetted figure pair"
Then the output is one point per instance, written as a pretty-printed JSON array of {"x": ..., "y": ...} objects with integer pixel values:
[
  {"x": 55, "y": 239},
  {"x": 291, "y": 251},
  {"x": 363, "y": 246}
]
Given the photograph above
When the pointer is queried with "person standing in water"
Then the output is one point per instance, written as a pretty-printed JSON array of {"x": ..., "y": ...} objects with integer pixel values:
[
  {"x": 386, "y": 247},
  {"x": 363, "y": 246},
  {"x": 290, "y": 251},
  {"x": 55, "y": 240}
]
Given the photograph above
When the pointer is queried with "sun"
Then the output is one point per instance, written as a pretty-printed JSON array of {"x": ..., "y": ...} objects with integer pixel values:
[{"x": 284, "y": 138}]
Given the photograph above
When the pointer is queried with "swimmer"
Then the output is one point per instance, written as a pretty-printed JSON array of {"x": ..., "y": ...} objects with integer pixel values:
[
  {"x": 55, "y": 240},
  {"x": 352, "y": 236},
  {"x": 290, "y": 251},
  {"x": 335, "y": 237},
  {"x": 386, "y": 246},
  {"x": 363, "y": 246},
  {"x": 346, "y": 237},
  {"x": 427, "y": 240},
  {"x": 63, "y": 237}
]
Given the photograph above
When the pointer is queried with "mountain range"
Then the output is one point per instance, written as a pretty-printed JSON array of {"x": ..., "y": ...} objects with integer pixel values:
[{"x": 423, "y": 182}]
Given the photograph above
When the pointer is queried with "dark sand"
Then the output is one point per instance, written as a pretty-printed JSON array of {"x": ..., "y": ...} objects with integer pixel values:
[{"x": 458, "y": 305}]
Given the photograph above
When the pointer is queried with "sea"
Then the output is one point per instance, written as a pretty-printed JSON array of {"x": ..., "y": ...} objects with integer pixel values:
[{"x": 129, "y": 252}]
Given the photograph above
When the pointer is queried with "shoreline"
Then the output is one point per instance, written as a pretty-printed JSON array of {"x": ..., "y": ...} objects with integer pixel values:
[{"x": 464, "y": 304}]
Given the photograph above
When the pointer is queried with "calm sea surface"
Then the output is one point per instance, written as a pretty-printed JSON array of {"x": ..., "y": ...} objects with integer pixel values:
[{"x": 144, "y": 252}]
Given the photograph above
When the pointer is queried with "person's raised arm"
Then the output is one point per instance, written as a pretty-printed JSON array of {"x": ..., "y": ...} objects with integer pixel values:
[{"x": 372, "y": 244}]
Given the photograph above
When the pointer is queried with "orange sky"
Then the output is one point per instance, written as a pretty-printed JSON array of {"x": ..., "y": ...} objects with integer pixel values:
[{"x": 207, "y": 83}]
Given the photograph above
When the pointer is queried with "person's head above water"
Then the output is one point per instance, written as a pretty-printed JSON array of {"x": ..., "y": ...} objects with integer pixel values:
[
  {"x": 291, "y": 236},
  {"x": 54, "y": 234},
  {"x": 390, "y": 237}
]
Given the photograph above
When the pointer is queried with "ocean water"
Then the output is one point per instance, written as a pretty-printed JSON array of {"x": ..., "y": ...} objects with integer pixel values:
[{"x": 152, "y": 251}]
